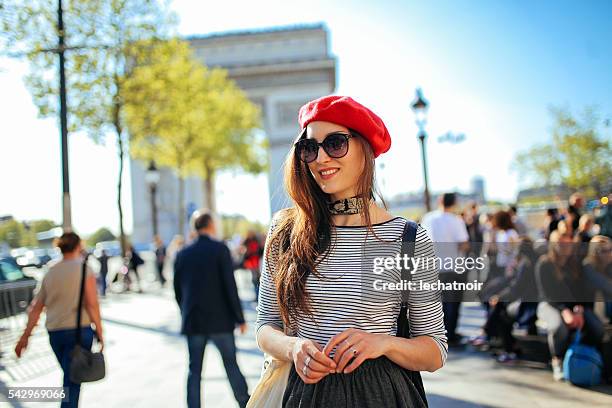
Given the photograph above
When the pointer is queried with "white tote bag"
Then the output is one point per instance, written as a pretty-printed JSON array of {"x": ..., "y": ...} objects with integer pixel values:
[{"x": 271, "y": 386}]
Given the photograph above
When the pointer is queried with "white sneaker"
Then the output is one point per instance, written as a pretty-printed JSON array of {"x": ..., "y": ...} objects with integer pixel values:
[{"x": 557, "y": 370}]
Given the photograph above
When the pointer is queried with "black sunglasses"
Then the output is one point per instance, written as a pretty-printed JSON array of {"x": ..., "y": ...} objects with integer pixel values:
[{"x": 335, "y": 145}]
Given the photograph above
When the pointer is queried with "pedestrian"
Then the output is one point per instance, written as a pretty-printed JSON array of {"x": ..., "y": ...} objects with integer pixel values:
[
  {"x": 471, "y": 218},
  {"x": 160, "y": 259},
  {"x": 449, "y": 234},
  {"x": 519, "y": 226},
  {"x": 133, "y": 262},
  {"x": 103, "y": 259},
  {"x": 313, "y": 311},
  {"x": 177, "y": 243},
  {"x": 253, "y": 250},
  {"x": 58, "y": 296},
  {"x": 503, "y": 240},
  {"x": 597, "y": 269},
  {"x": 604, "y": 219},
  {"x": 516, "y": 301},
  {"x": 552, "y": 220},
  {"x": 206, "y": 292},
  {"x": 574, "y": 210},
  {"x": 472, "y": 223},
  {"x": 567, "y": 295}
]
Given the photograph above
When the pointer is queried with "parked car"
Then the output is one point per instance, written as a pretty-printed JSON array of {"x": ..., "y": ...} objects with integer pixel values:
[{"x": 16, "y": 289}]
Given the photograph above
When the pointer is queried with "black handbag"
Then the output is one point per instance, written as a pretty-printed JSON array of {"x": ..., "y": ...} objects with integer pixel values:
[
  {"x": 85, "y": 365},
  {"x": 403, "y": 324}
]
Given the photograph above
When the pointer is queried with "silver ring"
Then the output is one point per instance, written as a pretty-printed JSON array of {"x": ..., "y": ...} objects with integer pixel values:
[
  {"x": 304, "y": 370},
  {"x": 354, "y": 352},
  {"x": 307, "y": 362}
]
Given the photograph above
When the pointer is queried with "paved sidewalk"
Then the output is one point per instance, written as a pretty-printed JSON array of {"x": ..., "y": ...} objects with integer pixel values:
[{"x": 147, "y": 365}]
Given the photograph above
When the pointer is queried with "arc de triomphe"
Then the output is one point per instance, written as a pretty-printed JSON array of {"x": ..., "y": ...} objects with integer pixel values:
[{"x": 279, "y": 69}]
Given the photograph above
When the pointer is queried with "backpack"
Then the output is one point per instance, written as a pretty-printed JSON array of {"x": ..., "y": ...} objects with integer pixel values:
[{"x": 582, "y": 364}]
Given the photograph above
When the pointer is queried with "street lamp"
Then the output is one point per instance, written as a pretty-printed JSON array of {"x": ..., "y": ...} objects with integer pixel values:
[
  {"x": 152, "y": 178},
  {"x": 419, "y": 106}
]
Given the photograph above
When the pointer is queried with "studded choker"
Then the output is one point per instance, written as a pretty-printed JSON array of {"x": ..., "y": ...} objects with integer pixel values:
[{"x": 346, "y": 206}]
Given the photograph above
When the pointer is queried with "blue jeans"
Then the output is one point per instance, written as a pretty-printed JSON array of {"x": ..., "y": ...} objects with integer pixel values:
[
  {"x": 62, "y": 343},
  {"x": 227, "y": 347}
]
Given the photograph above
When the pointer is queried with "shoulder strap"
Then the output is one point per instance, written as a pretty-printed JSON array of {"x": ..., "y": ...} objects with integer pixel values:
[
  {"x": 408, "y": 244},
  {"x": 78, "y": 321}
]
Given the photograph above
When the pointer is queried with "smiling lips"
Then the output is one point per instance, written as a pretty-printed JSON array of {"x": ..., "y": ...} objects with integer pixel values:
[{"x": 328, "y": 173}]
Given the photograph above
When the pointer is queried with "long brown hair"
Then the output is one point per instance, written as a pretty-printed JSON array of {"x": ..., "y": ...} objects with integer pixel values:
[
  {"x": 571, "y": 264},
  {"x": 303, "y": 232}
]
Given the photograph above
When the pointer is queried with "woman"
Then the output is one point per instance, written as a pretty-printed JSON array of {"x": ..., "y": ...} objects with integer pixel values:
[
  {"x": 314, "y": 308},
  {"x": 502, "y": 241},
  {"x": 177, "y": 243},
  {"x": 597, "y": 269},
  {"x": 585, "y": 225},
  {"x": 567, "y": 297},
  {"x": 59, "y": 296},
  {"x": 251, "y": 258},
  {"x": 514, "y": 302}
]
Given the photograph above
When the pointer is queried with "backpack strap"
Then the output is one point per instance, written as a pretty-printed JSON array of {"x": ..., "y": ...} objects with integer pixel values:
[{"x": 408, "y": 244}]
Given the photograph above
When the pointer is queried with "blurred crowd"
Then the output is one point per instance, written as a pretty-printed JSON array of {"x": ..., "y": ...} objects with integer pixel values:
[
  {"x": 553, "y": 279},
  {"x": 246, "y": 251}
]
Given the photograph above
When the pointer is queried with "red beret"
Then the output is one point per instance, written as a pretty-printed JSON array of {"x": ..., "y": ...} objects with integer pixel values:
[{"x": 345, "y": 111}]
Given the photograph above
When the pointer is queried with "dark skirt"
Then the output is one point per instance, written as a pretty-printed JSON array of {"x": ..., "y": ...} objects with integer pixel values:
[{"x": 376, "y": 383}]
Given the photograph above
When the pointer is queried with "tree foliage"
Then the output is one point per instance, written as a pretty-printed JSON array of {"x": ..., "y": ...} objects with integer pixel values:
[
  {"x": 16, "y": 234},
  {"x": 99, "y": 39},
  {"x": 102, "y": 234},
  {"x": 41, "y": 225},
  {"x": 189, "y": 117},
  {"x": 578, "y": 156}
]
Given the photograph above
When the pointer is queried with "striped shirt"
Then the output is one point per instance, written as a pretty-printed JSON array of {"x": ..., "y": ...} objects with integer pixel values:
[{"x": 344, "y": 295}]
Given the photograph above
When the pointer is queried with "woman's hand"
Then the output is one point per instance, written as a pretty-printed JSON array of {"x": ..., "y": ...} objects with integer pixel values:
[
  {"x": 355, "y": 344},
  {"x": 101, "y": 342},
  {"x": 21, "y": 345},
  {"x": 310, "y": 362},
  {"x": 572, "y": 320}
]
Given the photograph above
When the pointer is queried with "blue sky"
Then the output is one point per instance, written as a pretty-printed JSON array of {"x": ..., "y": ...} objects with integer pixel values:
[{"x": 490, "y": 70}]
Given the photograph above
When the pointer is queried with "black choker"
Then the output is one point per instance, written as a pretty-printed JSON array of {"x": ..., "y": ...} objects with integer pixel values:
[{"x": 346, "y": 206}]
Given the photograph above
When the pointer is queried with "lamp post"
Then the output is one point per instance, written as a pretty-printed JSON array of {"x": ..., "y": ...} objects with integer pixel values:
[
  {"x": 419, "y": 106},
  {"x": 152, "y": 178},
  {"x": 66, "y": 204}
]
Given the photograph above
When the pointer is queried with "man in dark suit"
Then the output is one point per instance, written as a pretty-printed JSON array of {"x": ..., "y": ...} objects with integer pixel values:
[{"x": 206, "y": 293}]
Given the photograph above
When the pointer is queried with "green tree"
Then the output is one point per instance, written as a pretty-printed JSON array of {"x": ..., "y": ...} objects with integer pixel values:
[
  {"x": 578, "y": 156},
  {"x": 102, "y": 234},
  {"x": 189, "y": 117},
  {"x": 164, "y": 108},
  {"x": 238, "y": 224},
  {"x": 41, "y": 225},
  {"x": 100, "y": 37},
  {"x": 15, "y": 234},
  {"x": 228, "y": 140}
]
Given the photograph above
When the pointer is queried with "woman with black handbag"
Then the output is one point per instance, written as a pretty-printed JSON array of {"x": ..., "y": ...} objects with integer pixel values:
[
  {"x": 320, "y": 307},
  {"x": 60, "y": 293}
]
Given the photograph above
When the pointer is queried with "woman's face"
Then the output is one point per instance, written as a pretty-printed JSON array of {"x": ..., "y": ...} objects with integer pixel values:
[
  {"x": 604, "y": 252},
  {"x": 564, "y": 245},
  {"x": 337, "y": 177}
]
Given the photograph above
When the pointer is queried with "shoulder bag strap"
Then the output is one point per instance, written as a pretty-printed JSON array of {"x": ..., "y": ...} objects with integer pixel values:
[{"x": 78, "y": 321}]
